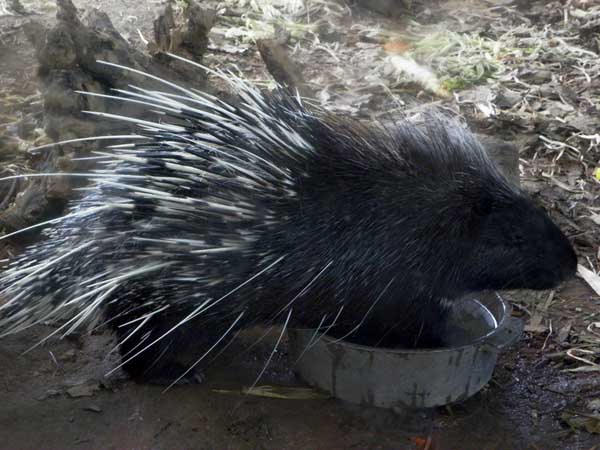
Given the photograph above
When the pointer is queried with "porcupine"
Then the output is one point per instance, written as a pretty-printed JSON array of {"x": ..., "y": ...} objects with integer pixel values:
[{"x": 268, "y": 211}]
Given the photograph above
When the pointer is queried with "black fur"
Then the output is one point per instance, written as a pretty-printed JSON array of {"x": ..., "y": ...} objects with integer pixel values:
[{"x": 380, "y": 227}]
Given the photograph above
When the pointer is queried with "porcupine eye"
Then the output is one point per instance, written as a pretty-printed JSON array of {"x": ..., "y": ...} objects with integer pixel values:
[
  {"x": 516, "y": 238},
  {"x": 484, "y": 207}
]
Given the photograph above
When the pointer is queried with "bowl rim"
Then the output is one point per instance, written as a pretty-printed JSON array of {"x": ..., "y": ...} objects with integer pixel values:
[{"x": 504, "y": 315}]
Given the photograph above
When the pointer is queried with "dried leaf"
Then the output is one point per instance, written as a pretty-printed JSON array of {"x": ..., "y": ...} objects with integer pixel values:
[
  {"x": 535, "y": 323},
  {"x": 564, "y": 186},
  {"x": 564, "y": 331},
  {"x": 590, "y": 277},
  {"x": 409, "y": 70},
  {"x": 397, "y": 46},
  {"x": 282, "y": 392},
  {"x": 584, "y": 369},
  {"x": 578, "y": 355},
  {"x": 587, "y": 422}
]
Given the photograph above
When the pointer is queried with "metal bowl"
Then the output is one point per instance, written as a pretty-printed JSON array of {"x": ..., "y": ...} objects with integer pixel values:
[{"x": 477, "y": 330}]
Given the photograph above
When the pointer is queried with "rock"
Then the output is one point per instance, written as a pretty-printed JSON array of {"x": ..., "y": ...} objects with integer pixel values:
[{"x": 83, "y": 390}]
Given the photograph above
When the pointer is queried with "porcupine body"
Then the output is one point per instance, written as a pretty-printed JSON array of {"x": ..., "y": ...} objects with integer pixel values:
[{"x": 218, "y": 217}]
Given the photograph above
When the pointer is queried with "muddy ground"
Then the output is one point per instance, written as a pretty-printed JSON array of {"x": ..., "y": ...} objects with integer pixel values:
[
  {"x": 55, "y": 398},
  {"x": 56, "y": 395}
]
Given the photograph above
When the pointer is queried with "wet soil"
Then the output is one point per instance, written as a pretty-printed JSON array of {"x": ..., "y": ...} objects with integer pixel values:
[{"x": 56, "y": 397}]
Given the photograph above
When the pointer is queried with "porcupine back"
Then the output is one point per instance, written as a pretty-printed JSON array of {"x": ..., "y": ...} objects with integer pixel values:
[{"x": 218, "y": 217}]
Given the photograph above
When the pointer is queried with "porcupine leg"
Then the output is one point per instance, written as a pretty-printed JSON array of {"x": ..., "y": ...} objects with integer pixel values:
[
  {"x": 166, "y": 360},
  {"x": 159, "y": 363},
  {"x": 173, "y": 358}
]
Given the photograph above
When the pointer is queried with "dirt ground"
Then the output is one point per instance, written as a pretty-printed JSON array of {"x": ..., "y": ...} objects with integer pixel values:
[
  {"x": 55, "y": 398},
  {"x": 545, "y": 393}
]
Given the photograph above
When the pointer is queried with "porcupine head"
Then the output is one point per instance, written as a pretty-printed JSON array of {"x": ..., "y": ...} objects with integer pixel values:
[
  {"x": 427, "y": 214},
  {"x": 220, "y": 216}
]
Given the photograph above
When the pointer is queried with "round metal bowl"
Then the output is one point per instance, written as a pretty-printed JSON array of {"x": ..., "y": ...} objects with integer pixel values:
[{"x": 477, "y": 330}]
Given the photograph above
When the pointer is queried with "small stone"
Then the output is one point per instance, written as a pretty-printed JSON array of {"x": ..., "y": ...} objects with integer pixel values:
[
  {"x": 93, "y": 408},
  {"x": 48, "y": 394},
  {"x": 505, "y": 98},
  {"x": 594, "y": 404},
  {"x": 84, "y": 390},
  {"x": 69, "y": 355}
]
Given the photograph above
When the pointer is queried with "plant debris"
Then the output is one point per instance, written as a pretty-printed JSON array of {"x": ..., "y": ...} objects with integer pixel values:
[{"x": 282, "y": 392}]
